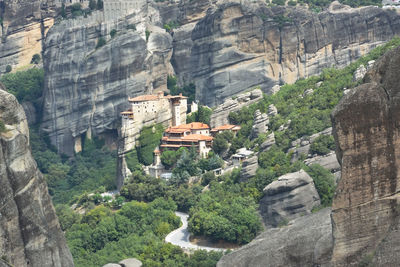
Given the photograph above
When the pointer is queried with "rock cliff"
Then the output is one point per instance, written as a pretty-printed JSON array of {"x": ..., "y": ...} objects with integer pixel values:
[
  {"x": 365, "y": 210},
  {"x": 224, "y": 47},
  {"x": 237, "y": 46},
  {"x": 24, "y": 25},
  {"x": 86, "y": 86},
  {"x": 30, "y": 234}
]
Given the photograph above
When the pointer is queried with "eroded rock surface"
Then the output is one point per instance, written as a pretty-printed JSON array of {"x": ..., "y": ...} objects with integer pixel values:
[
  {"x": 291, "y": 196},
  {"x": 238, "y": 46},
  {"x": 365, "y": 210},
  {"x": 307, "y": 241},
  {"x": 30, "y": 234}
]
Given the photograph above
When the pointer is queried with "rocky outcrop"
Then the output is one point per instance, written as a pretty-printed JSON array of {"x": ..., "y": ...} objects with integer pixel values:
[
  {"x": 268, "y": 143},
  {"x": 249, "y": 168},
  {"x": 24, "y": 27},
  {"x": 260, "y": 124},
  {"x": 30, "y": 234},
  {"x": 291, "y": 196},
  {"x": 237, "y": 46},
  {"x": 365, "y": 210},
  {"x": 220, "y": 113},
  {"x": 307, "y": 241},
  {"x": 86, "y": 87}
]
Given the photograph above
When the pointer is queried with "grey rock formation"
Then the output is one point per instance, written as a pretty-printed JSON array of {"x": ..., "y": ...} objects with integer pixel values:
[
  {"x": 249, "y": 168},
  {"x": 30, "y": 232},
  {"x": 24, "y": 25},
  {"x": 291, "y": 196},
  {"x": 86, "y": 87},
  {"x": 328, "y": 161},
  {"x": 220, "y": 113},
  {"x": 238, "y": 46},
  {"x": 270, "y": 141},
  {"x": 30, "y": 111},
  {"x": 306, "y": 241},
  {"x": 260, "y": 124},
  {"x": 365, "y": 209},
  {"x": 359, "y": 73},
  {"x": 272, "y": 110}
]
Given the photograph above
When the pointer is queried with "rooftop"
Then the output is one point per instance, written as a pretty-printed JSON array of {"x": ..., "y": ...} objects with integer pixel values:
[
  {"x": 143, "y": 98},
  {"x": 224, "y": 127},
  {"x": 185, "y": 127},
  {"x": 189, "y": 138}
]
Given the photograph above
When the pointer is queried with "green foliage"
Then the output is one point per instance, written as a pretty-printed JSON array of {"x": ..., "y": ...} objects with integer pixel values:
[
  {"x": 35, "y": 59},
  {"x": 353, "y": 3},
  {"x": 278, "y": 2},
  {"x": 132, "y": 160},
  {"x": 185, "y": 167},
  {"x": 187, "y": 90},
  {"x": 100, "y": 42},
  {"x": 171, "y": 25},
  {"x": 221, "y": 214},
  {"x": 149, "y": 139},
  {"x": 63, "y": 13},
  {"x": 324, "y": 183},
  {"x": 66, "y": 179},
  {"x": 147, "y": 32},
  {"x": 92, "y": 4},
  {"x": 221, "y": 141},
  {"x": 113, "y": 32},
  {"x": 212, "y": 162},
  {"x": 2, "y": 127},
  {"x": 292, "y": 3},
  {"x": 203, "y": 114},
  {"x": 67, "y": 217},
  {"x": 100, "y": 4},
  {"x": 8, "y": 68},
  {"x": 322, "y": 145},
  {"x": 25, "y": 85},
  {"x": 76, "y": 10},
  {"x": 170, "y": 157}
]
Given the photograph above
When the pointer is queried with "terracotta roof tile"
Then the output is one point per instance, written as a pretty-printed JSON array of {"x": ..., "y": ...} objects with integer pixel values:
[{"x": 143, "y": 98}]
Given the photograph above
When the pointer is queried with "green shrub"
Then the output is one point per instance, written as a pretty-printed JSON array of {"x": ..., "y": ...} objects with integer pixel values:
[
  {"x": 147, "y": 32},
  {"x": 322, "y": 145},
  {"x": 8, "y": 68},
  {"x": 149, "y": 139},
  {"x": 100, "y": 4},
  {"x": 25, "y": 85},
  {"x": 324, "y": 183},
  {"x": 188, "y": 90},
  {"x": 92, "y": 4},
  {"x": 292, "y": 3},
  {"x": 113, "y": 32},
  {"x": 132, "y": 160},
  {"x": 35, "y": 59},
  {"x": 100, "y": 42},
  {"x": 2, "y": 127}
]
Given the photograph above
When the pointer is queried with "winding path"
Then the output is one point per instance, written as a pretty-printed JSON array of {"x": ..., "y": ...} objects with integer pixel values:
[{"x": 180, "y": 236}]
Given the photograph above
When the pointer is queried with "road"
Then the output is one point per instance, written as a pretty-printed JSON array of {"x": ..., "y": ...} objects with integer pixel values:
[{"x": 180, "y": 236}]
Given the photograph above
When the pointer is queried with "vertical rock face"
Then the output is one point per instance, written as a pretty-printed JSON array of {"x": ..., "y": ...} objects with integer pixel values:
[
  {"x": 237, "y": 46},
  {"x": 24, "y": 25},
  {"x": 86, "y": 87},
  {"x": 365, "y": 209},
  {"x": 30, "y": 234}
]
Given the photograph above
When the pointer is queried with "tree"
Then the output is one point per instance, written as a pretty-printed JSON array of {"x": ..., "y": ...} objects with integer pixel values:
[
  {"x": 8, "y": 68},
  {"x": 100, "y": 4},
  {"x": 35, "y": 59},
  {"x": 220, "y": 144},
  {"x": 324, "y": 183},
  {"x": 169, "y": 158},
  {"x": 92, "y": 4},
  {"x": 100, "y": 42},
  {"x": 113, "y": 33}
]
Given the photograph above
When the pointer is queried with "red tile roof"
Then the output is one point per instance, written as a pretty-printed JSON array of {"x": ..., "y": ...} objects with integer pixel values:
[
  {"x": 143, "y": 98},
  {"x": 224, "y": 127},
  {"x": 185, "y": 127}
]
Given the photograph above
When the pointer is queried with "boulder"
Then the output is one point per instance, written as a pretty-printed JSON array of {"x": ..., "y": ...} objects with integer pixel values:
[
  {"x": 132, "y": 262},
  {"x": 306, "y": 241},
  {"x": 328, "y": 161},
  {"x": 291, "y": 196},
  {"x": 359, "y": 73},
  {"x": 272, "y": 110}
]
